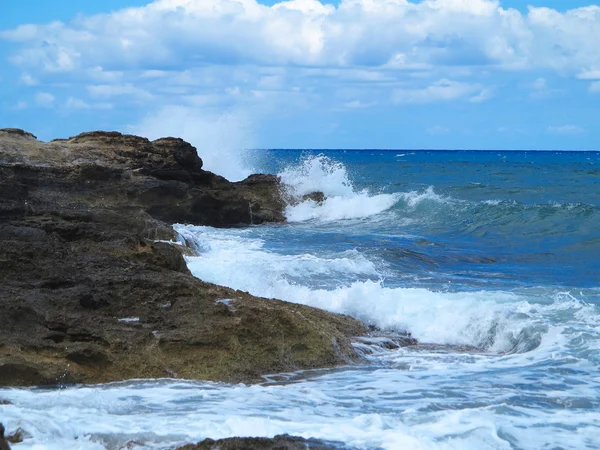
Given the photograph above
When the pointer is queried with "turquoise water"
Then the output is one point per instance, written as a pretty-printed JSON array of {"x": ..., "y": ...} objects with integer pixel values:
[{"x": 490, "y": 259}]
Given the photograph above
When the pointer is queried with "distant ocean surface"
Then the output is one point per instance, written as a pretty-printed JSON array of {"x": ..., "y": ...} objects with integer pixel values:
[{"x": 490, "y": 259}]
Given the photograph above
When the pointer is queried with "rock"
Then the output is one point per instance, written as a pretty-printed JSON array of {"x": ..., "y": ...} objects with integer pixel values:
[
  {"x": 16, "y": 133},
  {"x": 280, "y": 442},
  {"x": 3, "y": 444},
  {"x": 293, "y": 199},
  {"x": 18, "y": 436},
  {"x": 93, "y": 291},
  {"x": 317, "y": 196},
  {"x": 163, "y": 178}
]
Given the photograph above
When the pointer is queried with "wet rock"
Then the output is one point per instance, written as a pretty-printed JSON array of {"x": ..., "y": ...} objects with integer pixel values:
[
  {"x": 293, "y": 199},
  {"x": 280, "y": 442},
  {"x": 18, "y": 436},
  {"x": 86, "y": 243},
  {"x": 316, "y": 196},
  {"x": 3, "y": 443}
]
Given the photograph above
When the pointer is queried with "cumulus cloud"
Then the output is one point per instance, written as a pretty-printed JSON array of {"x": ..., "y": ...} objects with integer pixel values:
[
  {"x": 222, "y": 55},
  {"x": 366, "y": 33}
]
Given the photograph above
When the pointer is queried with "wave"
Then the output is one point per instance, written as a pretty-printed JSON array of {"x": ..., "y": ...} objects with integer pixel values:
[
  {"x": 348, "y": 283},
  {"x": 343, "y": 200},
  {"x": 426, "y": 207}
]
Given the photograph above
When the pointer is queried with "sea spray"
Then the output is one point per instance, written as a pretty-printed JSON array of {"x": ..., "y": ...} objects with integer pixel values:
[
  {"x": 223, "y": 141},
  {"x": 342, "y": 200}
]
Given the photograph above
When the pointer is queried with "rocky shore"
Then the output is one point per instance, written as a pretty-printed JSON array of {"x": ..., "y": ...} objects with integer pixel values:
[
  {"x": 93, "y": 289},
  {"x": 280, "y": 442}
]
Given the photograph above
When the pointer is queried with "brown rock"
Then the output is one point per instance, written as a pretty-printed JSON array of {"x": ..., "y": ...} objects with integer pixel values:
[
  {"x": 3, "y": 443},
  {"x": 280, "y": 442},
  {"x": 91, "y": 290}
]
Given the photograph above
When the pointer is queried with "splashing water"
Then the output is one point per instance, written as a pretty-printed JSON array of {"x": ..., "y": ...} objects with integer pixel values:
[
  {"x": 343, "y": 201},
  {"x": 223, "y": 141}
]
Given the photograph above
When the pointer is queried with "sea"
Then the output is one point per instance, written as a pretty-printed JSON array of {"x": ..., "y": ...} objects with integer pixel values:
[{"x": 490, "y": 259}]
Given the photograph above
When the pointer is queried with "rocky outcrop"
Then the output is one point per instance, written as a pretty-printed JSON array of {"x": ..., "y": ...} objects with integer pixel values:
[
  {"x": 164, "y": 178},
  {"x": 92, "y": 291},
  {"x": 280, "y": 442}
]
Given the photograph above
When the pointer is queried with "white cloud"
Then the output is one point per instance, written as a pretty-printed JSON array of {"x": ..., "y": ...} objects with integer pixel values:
[
  {"x": 540, "y": 84},
  {"x": 44, "y": 99},
  {"x": 566, "y": 129},
  {"x": 540, "y": 89},
  {"x": 483, "y": 96},
  {"x": 366, "y": 33},
  {"x": 442, "y": 90},
  {"x": 595, "y": 87},
  {"x": 438, "y": 129},
  {"x": 224, "y": 54},
  {"x": 589, "y": 74},
  {"x": 20, "y": 105},
  {"x": 28, "y": 80},
  {"x": 112, "y": 90},
  {"x": 76, "y": 103},
  {"x": 357, "y": 104}
]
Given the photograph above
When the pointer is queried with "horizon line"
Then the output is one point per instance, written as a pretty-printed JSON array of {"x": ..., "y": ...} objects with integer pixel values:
[{"x": 424, "y": 150}]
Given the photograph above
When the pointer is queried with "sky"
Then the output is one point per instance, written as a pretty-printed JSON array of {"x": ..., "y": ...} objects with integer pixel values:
[{"x": 397, "y": 74}]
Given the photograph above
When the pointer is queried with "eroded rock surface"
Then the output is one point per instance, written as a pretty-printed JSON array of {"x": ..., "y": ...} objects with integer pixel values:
[{"x": 90, "y": 291}]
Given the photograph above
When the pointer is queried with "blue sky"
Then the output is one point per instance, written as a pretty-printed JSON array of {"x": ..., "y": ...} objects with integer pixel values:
[{"x": 470, "y": 74}]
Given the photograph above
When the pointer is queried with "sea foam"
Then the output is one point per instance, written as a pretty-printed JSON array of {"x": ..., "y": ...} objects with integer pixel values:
[{"x": 349, "y": 283}]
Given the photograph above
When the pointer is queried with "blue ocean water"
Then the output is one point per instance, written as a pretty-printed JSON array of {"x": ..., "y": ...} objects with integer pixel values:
[{"x": 490, "y": 259}]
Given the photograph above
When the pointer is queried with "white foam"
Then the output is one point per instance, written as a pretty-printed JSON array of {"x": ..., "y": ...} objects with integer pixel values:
[
  {"x": 232, "y": 259},
  {"x": 357, "y": 206},
  {"x": 349, "y": 283},
  {"x": 415, "y": 198},
  {"x": 343, "y": 200}
]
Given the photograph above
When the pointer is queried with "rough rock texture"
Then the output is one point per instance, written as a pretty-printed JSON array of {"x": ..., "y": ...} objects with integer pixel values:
[
  {"x": 3, "y": 443},
  {"x": 280, "y": 442},
  {"x": 90, "y": 292},
  {"x": 107, "y": 169}
]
